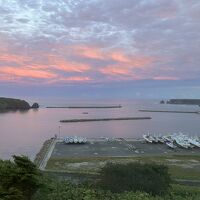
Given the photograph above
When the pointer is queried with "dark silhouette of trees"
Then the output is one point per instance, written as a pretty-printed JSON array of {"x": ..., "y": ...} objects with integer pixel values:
[
  {"x": 150, "y": 178},
  {"x": 19, "y": 179}
]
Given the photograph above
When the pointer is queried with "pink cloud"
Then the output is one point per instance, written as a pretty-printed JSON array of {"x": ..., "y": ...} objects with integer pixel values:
[
  {"x": 91, "y": 52},
  {"x": 68, "y": 66},
  {"x": 113, "y": 70},
  {"x": 165, "y": 78},
  {"x": 25, "y": 72}
]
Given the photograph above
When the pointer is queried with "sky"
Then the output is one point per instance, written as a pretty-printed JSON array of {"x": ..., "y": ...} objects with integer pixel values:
[{"x": 100, "y": 48}]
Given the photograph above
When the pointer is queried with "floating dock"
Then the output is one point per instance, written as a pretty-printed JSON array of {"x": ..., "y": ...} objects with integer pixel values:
[{"x": 104, "y": 119}]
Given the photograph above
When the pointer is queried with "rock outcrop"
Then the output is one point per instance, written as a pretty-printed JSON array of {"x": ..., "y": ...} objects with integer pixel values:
[{"x": 35, "y": 106}]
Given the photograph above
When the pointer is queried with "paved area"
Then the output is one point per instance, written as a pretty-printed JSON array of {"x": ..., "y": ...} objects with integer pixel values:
[{"x": 116, "y": 148}]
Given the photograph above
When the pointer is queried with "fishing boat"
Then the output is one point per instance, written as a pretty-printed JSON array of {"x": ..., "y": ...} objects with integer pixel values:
[
  {"x": 182, "y": 143},
  {"x": 194, "y": 142},
  {"x": 66, "y": 140},
  {"x": 148, "y": 138},
  {"x": 75, "y": 140},
  {"x": 161, "y": 139},
  {"x": 171, "y": 145}
]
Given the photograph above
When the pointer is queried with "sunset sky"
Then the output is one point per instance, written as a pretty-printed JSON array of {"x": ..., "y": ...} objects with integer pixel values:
[{"x": 99, "y": 48}]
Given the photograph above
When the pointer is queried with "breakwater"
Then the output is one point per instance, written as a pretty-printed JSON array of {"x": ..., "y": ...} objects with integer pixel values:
[
  {"x": 104, "y": 119},
  {"x": 171, "y": 111},
  {"x": 83, "y": 107}
]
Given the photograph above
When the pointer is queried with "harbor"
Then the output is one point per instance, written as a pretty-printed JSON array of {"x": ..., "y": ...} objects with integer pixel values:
[
  {"x": 76, "y": 147},
  {"x": 75, "y": 158}
]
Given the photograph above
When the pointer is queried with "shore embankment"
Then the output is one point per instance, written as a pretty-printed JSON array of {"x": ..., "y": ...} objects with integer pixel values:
[
  {"x": 104, "y": 119},
  {"x": 39, "y": 158}
]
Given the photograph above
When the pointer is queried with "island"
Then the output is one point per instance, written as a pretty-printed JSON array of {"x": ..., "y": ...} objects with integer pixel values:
[
  {"x": 184, "y": 101},
  {"x": 15, "y": 104}
]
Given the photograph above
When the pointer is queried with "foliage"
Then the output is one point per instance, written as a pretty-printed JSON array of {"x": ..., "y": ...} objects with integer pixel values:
[
  {"x": 61, "y": 190},
  {"x": 150, "y": 178},
  {"x": 19, "y": 179}
]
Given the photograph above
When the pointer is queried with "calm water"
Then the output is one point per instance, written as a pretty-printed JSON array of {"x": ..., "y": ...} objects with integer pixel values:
[{"x": 24, "y": 132}]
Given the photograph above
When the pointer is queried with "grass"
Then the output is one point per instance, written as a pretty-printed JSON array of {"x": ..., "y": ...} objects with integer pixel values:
[{"x": 180, "y": 167}]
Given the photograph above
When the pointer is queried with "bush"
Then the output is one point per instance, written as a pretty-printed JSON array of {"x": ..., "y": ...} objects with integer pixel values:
[{"x": 151, "y": 178}]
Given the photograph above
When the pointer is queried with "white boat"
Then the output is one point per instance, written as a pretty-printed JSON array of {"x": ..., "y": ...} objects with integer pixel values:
[
  {"x": 182, "y": 143},
  {"x": 66, "y": 140},
  {"x": 75, "y": 140},
  {"x": 71, "y": 140},
  {"x": 171, "y": 145},
  {"x": 84, "y": 140},
  {"x": 161, "y": 139},
  {"x": 148, "y": 138},
  {"x": 80, "y": 140},
  {"x": 194, "y": 142}
]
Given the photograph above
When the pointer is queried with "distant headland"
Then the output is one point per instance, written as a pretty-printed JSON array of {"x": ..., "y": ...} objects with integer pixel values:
[
  {"x": 181, "y": 101},
  {"x": 15, "y": 104},
  {"x": 184, "y": 101}
]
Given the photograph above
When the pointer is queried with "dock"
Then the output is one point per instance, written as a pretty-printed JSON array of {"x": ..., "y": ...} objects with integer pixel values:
[{"x": 104, "y": 119}]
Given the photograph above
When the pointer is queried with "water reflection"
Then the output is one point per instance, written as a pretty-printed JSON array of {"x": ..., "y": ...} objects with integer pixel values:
[{"x": 23, "y": 132}]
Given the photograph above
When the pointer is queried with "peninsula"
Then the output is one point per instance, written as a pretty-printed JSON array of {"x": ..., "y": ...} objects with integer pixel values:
[{"x": 15, "y": 104}]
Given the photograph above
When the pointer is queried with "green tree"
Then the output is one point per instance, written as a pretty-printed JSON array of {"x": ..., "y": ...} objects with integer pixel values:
[
  {"x": 150, "y": 178},
  {"x": 19, "y": 178}
]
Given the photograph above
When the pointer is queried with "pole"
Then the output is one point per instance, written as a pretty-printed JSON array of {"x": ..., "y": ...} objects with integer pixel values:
[{"x": 59, "y": 132}]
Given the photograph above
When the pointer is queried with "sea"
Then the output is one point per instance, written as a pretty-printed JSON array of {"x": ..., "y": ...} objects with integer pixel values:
[{"x": 24, "y": 132}]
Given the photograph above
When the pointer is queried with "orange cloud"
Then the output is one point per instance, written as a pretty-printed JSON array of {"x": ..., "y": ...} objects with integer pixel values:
[{"x": 25, "y": 72}]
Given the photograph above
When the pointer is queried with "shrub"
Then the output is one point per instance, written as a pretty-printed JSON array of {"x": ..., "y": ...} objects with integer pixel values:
[{"x": 150, "y": 178}]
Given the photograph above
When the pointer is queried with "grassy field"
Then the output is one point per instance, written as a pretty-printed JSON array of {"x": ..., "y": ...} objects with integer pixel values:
[{"x": 180, "y": 166}]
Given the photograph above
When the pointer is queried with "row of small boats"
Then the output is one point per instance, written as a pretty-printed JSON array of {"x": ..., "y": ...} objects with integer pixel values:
[
  {"x": 174, "y": 140},
  {"x": 75, "y": 140}
]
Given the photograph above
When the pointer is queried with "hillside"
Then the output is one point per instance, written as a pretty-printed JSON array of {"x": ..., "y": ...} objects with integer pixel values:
[{"x": 13, "y": 104}]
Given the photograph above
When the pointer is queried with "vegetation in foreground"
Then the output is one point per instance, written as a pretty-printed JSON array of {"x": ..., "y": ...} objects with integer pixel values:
[
  {"x": 20, "y": 179},
  {"x": 180, "y": 166}
]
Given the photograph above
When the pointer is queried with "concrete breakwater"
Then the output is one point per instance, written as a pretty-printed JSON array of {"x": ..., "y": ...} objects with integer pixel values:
[
  {"x": 83, "y": 107},
  {"x": 104, "y": 119},
  {"x": 171, "y": 111}
]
